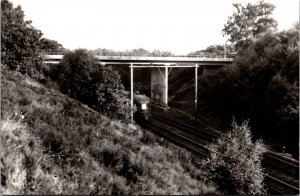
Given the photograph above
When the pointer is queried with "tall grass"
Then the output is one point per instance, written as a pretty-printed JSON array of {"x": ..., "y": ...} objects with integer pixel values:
[{"x": 53, "y": 144}]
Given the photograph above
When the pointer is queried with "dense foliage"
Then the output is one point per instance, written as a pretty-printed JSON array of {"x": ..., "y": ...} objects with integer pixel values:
[
  {"x": 262, "y": 86},
  {"x": 19, "y": 41},
  {"x": 235, "y": 162},
  {"x": 49, "y": 46},
  {"x": 22, "y": 49},
  {"x": 248, "y": 21},
  {"x": 52, "y": 144},
  {"x": 133, "y": 52},
  {"x": 214, "y": 51},
  {"x": 98, "y": 86},
  {"x": 22, "y": 45}
]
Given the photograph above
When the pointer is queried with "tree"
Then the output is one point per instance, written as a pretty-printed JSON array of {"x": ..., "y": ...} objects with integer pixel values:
[
  {"x": 262, "y": 85},
  {"x": 161, "y": 53},
  {"x": 247, "y": 21},
  {"x": 140, "y": 52},
  {"x": 213, "y": 50},
  {"x": 49, "y": 46},
  {"x": 105, "y": 90},
  {"x": 98, "y": 86},
  {"x": 74, "y": 72},
  {"x": 19, "y": 40},
  {"x": 234, "y": 162}
]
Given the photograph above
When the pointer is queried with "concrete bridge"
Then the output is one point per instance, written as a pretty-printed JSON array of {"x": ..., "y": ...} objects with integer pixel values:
[
  {"x": 210, "y": 65},
  {"x": 160, "y": 69}
]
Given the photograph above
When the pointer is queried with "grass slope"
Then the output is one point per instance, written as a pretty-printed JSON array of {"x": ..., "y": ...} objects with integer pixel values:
[{"x": 52, "y": 144}]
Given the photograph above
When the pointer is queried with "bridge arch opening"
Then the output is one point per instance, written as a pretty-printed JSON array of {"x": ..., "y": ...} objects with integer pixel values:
[{"x": 159, "y": 83}]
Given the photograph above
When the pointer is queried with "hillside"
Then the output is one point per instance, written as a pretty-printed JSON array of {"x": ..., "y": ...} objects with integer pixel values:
[
  {"x": 222, "y": 97},
  {"x": 53, "y": 144},
  {"x": 182, "y": 97}
]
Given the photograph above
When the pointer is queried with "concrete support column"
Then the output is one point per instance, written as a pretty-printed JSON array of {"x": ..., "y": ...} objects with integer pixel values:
[
  {"x": 131, "y": 92},
  {"x": 166, "y": 83},
  {"x": 196, "y": 92}
]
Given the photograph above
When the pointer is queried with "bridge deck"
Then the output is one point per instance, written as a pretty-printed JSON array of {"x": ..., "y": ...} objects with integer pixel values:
[{"x": 147, "y": 59}]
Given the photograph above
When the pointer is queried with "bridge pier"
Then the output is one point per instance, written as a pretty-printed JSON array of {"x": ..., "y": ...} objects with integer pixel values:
[
  {"x": 166, "y": 83},
  {"x": 196, "y": 92},
  {"x": 159, "y": 86},
  {"x": 131, "y": 92}
]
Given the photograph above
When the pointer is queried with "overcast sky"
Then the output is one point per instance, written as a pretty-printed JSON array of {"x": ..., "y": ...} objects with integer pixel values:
[{"x": 179, "y": 26}]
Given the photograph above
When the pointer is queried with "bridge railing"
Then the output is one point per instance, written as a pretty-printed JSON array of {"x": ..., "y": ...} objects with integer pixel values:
[
  {"x": 132, "y": 54},
  {"x": 140, "y": 54},
  {"x": 153, "y": 54}
]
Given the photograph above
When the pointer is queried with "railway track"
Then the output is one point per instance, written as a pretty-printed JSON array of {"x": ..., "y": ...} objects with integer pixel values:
[
  {"x": 279, "y": 187},
  {"x": 209, "y": 134},
  {"x": 178, "y": 138},
  {"x": 281, "y": 173},
  {"x": 270, "y": 158},
  {"x": 276, "y": 162}
]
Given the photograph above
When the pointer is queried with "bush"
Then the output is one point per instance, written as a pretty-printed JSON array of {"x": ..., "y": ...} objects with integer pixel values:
[
  {"x": 261, "y": 85},
  {"x": 95, "y": 85},
  {"x": 106, "y": 88},
  {"x": 19, "y": 41},
  {"x": 64, "y": 147},
  {"x": 234, "y": 162}
]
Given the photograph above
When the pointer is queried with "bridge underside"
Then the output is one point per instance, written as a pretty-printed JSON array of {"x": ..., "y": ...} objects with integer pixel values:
[
  {"x": 160, "y": 69},
  {"x": 159, "y": 82}
]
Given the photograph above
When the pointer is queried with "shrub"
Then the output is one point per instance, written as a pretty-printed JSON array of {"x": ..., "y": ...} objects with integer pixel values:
[
  {"x": 106, "y": 88},
  {"x": 95, "y": 85},
  {"x": 234, "y": 162},
  {"x": 19, "y": 41},
  {"x": 64, "y": 147},
  {"x": 261, "y": 85}
]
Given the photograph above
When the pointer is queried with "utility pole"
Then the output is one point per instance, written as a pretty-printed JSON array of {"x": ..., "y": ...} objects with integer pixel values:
[
  {"x": 225, "y": 49},
  {"x": 131, "y": 92},
  {"x": 196, "y": 92}
]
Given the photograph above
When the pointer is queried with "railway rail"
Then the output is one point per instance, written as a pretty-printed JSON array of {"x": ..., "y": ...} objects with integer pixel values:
[
  {"x": 279, "y": 187},
  {"x": 179, "y": 139},
  {"x": 277, "y": 166},
  {"x": 275, "y": 162},
  {"x": 270, "y": 158}
]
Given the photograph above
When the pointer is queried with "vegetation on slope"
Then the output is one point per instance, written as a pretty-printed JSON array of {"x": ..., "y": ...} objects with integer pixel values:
[
  {"x": 96, "y": 85},
  {"x": 262, "y": 85},
  {"x": 22, "y": 44},
  {"x": 234, "y": 162},
  {"x": 53, "y": 144}
]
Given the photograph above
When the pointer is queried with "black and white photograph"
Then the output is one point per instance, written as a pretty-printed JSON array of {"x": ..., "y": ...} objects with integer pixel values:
[{"x": 150, "y": 97}]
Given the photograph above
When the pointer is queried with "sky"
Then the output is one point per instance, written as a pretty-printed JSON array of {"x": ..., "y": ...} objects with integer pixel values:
[{"x": 179, "y": 26}]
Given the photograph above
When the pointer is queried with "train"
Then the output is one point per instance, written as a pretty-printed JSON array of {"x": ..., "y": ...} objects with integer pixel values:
[{"x": 142, "y": 102}]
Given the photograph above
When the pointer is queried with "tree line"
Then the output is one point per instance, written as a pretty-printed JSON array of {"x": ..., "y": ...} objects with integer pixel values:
[
  {"x": 133, "y": 52},
  {"x": 22, "y": 44},
  {"x": 262, "y": 85},
  {"x": 77, "y": 75}
]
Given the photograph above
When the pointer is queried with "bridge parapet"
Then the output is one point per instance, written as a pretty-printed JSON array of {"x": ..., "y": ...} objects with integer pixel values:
[{"x": 146, "y": 59}]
